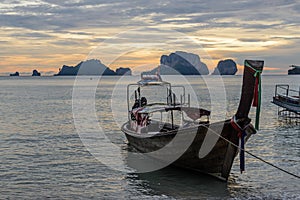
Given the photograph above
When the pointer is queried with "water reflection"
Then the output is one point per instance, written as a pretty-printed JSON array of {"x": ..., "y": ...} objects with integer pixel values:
[{"x": 181, "y": 184}]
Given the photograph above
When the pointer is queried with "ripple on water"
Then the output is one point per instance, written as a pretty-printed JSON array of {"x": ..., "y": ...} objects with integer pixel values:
[{"x": 42, "y": 156}]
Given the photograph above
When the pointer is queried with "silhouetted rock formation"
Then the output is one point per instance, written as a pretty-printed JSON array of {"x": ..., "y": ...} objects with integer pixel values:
[
  {"x": 295, "y": 70},
  {"x": 36, "y": 73},
  {"x": 225, "y": 67},
  {"x": 91, "y": 67},
  {"x": 181, "y": 63},
  {"x": 15, "y": 74},
  {"x": 123, "y": 71}
]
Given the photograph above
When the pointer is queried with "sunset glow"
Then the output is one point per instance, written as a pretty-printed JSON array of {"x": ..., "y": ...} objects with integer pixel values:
[{"x": 44, "y": 35}]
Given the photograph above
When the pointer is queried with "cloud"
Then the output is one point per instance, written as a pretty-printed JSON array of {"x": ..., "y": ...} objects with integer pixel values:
[
  {"x": 68, "y": 43},
  {"x": 252, "y": 40},
  {"x": 184, "y": 16},
  {"x": 49, "y": 14},
  {"x": 227, "y": 28},
  {"x": 32, "y": 35}
]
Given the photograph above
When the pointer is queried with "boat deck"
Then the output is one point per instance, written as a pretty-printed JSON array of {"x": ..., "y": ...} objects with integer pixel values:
[{"x": 288, "y": 102}]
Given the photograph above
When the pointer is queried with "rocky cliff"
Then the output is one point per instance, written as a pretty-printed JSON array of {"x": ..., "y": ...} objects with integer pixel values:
[
  {"x": 15, "y": 74},
  {"x": 123, "y": 71},
  {"x": 181, "y": 63},
  {"x": 225, "y": 67},
  {"x": 36, "y": 73},
  {"x": 91, "y": 67}
]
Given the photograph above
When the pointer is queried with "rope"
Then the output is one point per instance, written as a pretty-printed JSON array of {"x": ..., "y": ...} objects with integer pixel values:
[
  {"x": 279, "y": 168},
  {"x": 256, "y": 70}
]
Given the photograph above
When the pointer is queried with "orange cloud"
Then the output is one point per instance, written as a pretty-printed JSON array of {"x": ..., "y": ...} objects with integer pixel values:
[
  {"x": 271, "y": 69},
  {"x": 26, "y": 63}
]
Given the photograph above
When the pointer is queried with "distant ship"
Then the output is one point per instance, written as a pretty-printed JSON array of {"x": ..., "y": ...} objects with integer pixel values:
[{"x": 295, "y": 70}]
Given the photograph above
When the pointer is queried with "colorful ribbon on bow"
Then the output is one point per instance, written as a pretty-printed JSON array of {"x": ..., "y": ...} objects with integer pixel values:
[
  {"x": 257, "y": 93},
  {"x": 241, "y": 135}
]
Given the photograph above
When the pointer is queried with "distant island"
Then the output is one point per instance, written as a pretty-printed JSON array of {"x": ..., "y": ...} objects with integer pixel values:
[
  {"x": 180, "y": 63},
  {"x": 225, "y": 67},
  {"x": 36, "y": 73},
  {"x": 91, "y": 67},
  {"x": 295, "y": 70},
  {"x": 123, "y": 71},
  {"x": 15, "y": 74}
]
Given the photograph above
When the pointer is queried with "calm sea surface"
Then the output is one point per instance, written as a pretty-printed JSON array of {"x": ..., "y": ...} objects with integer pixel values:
[{"x": 42, "y": 155}]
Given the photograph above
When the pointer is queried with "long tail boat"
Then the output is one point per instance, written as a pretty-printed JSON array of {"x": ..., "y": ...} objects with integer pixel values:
[
  {"x": 287, "y": 99},
  {"x": 173, "y": 132}
]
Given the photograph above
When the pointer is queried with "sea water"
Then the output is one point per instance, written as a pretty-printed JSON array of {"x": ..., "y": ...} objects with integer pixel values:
[{"x": 42, "y": 154}]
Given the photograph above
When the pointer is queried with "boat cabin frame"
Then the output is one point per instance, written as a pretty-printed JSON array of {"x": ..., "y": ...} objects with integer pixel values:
[{"x": 170, "y": 105}]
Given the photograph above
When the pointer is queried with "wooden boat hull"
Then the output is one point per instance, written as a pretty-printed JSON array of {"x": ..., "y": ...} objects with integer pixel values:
[{"x": 217, "y": 162}]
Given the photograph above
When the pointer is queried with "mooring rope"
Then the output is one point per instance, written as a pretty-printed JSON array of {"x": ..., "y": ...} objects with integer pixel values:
[{"x": 279, "y": 168}]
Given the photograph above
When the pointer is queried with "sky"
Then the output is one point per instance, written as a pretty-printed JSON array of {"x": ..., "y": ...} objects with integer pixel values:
[{"x": 46, "y": 34}]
